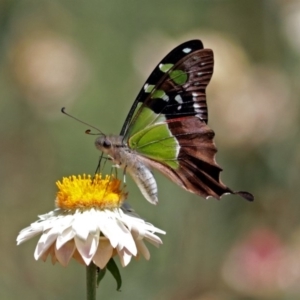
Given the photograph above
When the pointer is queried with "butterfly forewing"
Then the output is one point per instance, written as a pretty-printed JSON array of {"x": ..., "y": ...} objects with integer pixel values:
[
  {"x": 185, "y": 88},
  {"x": 175, "y": 88}
]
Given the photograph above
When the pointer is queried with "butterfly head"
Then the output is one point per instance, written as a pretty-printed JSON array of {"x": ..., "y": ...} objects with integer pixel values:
[
  {"x": 103, "y": 143},
  {"x": 108, "y": 144}
]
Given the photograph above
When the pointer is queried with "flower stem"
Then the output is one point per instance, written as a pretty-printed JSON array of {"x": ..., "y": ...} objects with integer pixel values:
[{"x": 91, "y": 276}]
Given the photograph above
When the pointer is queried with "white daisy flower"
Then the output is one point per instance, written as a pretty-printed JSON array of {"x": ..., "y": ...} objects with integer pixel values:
[{"x": 91, "y": 224}]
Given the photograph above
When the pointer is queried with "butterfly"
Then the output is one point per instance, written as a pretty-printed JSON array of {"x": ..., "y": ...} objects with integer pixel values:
[{"x": 166, "y": 128}]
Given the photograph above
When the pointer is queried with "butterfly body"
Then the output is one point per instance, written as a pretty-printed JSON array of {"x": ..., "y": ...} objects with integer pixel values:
[{"x": 166, "y": 128}]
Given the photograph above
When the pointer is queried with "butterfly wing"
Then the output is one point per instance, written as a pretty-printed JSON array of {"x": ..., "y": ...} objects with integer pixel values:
[
  {"x": 167, "y": 123},
  {"x": 148, "y": 96}
]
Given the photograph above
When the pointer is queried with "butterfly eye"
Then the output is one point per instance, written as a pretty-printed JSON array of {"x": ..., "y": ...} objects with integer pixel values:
[{"x": 106, "y": 144}]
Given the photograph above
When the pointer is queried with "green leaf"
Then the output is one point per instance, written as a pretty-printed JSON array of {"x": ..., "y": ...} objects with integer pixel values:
[
  {"x": 101, "y": 273},
  {"x": 114, "y": 270}
]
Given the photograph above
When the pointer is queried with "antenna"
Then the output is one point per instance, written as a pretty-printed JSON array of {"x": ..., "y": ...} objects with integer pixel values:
[{"x": 88, "y": 131}]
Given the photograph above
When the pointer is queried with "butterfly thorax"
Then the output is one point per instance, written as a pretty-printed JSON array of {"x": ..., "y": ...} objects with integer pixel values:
[{"x": 122, "y": 156}]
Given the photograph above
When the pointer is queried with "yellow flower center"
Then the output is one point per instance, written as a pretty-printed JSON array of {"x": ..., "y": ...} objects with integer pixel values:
[{"x": 85, "y": 192}]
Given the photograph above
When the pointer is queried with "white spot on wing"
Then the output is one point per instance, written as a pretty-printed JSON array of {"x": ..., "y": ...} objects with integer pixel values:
[
  {"x": 165, "y": 97},
  {"x": 177, "y": 148},
  {"x": 178, "y": 99},
  {"x": 179, "y": 107},
  {"x": 186, "y": 50}
]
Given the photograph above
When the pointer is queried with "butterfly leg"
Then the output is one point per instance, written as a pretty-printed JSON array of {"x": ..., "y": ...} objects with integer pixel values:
[
  {"x": 99, "y": 164},
  {"x": 99, "y": 168},
  {"x": 124, "y": 175}
]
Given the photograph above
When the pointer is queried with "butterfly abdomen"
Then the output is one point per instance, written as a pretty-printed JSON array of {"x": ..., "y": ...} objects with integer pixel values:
[
  {"x": 140, "y": 173},
  {"x": 144, "y": 178}
]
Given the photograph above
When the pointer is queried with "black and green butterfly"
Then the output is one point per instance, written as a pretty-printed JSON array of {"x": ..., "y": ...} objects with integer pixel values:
[{"x": 166, "y": 128}]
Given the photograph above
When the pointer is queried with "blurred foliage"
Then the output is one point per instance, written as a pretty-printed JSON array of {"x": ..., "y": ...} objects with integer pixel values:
[{"x": 93, "y": 57}]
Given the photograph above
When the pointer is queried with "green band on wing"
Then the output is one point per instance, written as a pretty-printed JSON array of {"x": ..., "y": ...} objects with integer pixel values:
[
  {"x": 160, "y": 94},
  {"x": 157, "y": 143},
  {"x": 179, "y": 77},
  {"x": 165, "y": 67},
  {"x": 148, "y": 88},
  {"x": 145, "y": 117}
]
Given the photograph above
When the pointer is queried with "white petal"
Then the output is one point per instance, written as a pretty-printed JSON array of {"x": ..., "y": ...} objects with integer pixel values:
[
  {"x": 138, "y": 232},
  {"x": 40, "y": 249},
  {"x": 47, "y": 223},
  {"x": 65, "y": 253},
  {"x": 26, "y": 234},
  {"x": 86, "y": 248},
  {"x": 124, "y": 256},
  {"x": 81, "y": 225},
  {"x": 65, "y": 222},
  {"x": 91, "y": 217},
  {"x": 107, "y": 226},
  {"x": 95, "y": 242},
  {"x": 151, "y": 228},
  {"x": 50, "y": 236},
  {"x": 49, "y": 215},
  {"x": 127, "y": 239},
  {"x": 67, "y": 235},
  {"x": 47, "y": 253},
  {"x": 153, "y": 239},
  {"x": 45, "y": 241},
  {"x": 103, "y": 253},
  {"x": 143, "y": 249}
]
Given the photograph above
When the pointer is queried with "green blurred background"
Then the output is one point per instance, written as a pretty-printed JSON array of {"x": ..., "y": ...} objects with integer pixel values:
[{"x": 93, "y": 57}]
